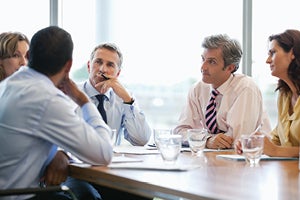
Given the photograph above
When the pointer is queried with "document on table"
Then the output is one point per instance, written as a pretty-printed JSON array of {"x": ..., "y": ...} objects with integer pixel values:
[
  {"x": 142, "y": 150},
  {"x": 115, "y": 159},
  {"x": 153, "y": 166},
  {"x": 185, "y": 148},
  {"x": 212, "y": 150},
  {"x": 263, "y": 157},
  {"x": 125, "y": 159},
  {"x": 188, "y": 149}
]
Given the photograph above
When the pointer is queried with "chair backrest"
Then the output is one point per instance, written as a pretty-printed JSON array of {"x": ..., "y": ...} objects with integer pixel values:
[{"x": 37, "y": 190}]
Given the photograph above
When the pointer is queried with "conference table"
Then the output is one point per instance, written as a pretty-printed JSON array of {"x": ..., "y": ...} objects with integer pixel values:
[{"x": 209, "y": 177}]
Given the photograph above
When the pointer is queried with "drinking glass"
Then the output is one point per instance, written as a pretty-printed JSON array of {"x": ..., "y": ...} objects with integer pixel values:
[
  {"x": 169, "y": 147},
  {"x": 197, "y": 140},
  {"x": 252, "y": 146},
  {"x": 157, "y": 133},
  {"x": 113, "y": 137}
]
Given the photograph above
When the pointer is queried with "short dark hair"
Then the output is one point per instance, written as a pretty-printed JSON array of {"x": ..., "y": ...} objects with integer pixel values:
[{"x": 50, "y": 49}]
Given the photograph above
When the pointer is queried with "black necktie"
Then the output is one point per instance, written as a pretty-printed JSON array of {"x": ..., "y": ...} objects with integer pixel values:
[{"x": 100, "y": 107}]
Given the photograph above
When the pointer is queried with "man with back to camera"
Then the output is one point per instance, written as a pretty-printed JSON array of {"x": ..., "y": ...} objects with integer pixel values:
[
  {"x": 235, "y": 106},
  {"x": 37, "y": 115}
]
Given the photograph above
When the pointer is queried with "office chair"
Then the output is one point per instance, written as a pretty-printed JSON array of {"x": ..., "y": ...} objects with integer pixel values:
[{"x": 37, "y": 190}]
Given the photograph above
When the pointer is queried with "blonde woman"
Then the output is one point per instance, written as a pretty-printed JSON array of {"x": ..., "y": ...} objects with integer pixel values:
[{"x": 13, "y": 50}]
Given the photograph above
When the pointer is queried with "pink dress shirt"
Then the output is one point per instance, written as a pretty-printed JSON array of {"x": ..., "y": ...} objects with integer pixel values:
[{"x": 239, "y": 108}]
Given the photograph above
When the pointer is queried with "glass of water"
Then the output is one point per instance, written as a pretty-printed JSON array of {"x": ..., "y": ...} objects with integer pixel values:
[
  {"x": 114, "y": 137},
  {"x": 169, "y": 147},
  {"x": 158, "y": 133},
  {"x": 197, "y": 140},
  {"x": 252, "y": 146}
]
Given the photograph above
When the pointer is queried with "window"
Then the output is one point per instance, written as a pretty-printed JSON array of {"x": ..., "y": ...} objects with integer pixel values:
[
  {"x": 161, "y": 43},
  {"x": 23, "y": 16},
  {"x": 160, "y": 40},
  {"x": 79, "y": 19},
  {"x": 278, "y": 17}
]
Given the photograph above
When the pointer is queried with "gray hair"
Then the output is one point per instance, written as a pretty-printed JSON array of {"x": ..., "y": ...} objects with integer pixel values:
[
  {"x": 231, "y": 48},
  {"x": 111, "y": 47}
]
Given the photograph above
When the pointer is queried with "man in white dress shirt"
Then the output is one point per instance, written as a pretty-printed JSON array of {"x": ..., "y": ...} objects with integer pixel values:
[{"x": 239, "y": 103}]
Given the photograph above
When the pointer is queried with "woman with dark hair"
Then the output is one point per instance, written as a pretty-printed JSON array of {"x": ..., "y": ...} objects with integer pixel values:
[{"x": 284, "y": 61}]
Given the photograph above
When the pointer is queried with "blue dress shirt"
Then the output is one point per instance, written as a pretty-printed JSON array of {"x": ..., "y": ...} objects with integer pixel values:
[
  {"x": 127, "y": 119},
  {"x": 34, "y": 115}
]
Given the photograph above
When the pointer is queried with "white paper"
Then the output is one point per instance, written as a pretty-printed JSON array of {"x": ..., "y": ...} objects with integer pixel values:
[
  {"x": 188, "y": 149},
  {"x": 135, "y": 150},
  {"x": 153, "y": 166},
  {"x": 83, "y": 165},
  {"x": 122, "y": 159},
  {"x": 263, "y": 157}
]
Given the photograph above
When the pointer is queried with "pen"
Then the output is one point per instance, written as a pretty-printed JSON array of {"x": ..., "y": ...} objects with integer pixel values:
[
  {"x": 256, "y": 130},
  {"x": 104, "y": 77}
]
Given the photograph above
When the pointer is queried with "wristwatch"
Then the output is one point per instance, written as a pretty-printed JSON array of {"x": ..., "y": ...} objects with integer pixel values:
[{"x": 130, "y": 102}]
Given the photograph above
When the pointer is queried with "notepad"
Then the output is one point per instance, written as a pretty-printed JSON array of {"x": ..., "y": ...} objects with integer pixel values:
[
  {"x": 186, "y": 148},
  {"x": 115, "y": 159},
  {"x": 263, "y": 157},
  {"x": 141, "y": 150},
  {"x": 153, "y": 166},
  {"x": 124, "y": 159}
]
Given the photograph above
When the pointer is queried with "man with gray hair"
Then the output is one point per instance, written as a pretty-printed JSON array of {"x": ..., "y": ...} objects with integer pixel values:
[
  {"x": 224, "y": 103},
  {"x": 117, "y": 105}
]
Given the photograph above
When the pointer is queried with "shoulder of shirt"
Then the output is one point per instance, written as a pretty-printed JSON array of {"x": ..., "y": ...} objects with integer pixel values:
[
  {"x": 199, "y": 88},
  {"x": 237, "y": 83},
  {"x": 200, "y": 84},
  {"x": 81, "y": 84},
  {"x": 36, "y": 82},
  {"x": 244, "y": 79}
]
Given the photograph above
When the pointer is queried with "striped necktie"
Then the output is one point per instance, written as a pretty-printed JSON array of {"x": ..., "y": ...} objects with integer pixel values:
[
  {"x": 100, "y": 98},
  {"x": 210, "y": 115}
]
